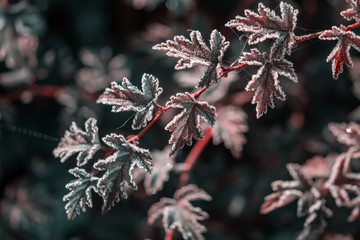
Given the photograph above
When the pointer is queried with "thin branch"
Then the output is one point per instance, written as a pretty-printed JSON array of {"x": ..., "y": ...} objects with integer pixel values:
[
  {"x": 138, "y": 136},
  {"x": 193, "y": 156}
]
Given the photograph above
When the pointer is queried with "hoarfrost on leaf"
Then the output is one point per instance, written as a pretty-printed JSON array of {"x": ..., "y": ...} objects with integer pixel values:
[
  {"x": 196, "y": 52},
  {"x": 80, "y": 192},
  {"x": 119, "y": 168},
  {"x": 186, "y": 125},
  {"x": 341, "y": 52},
  {"x": 353, "y": 12},
  {"x": 127, "y": 97},
  {"x": 267, "y": 25},
  {"x": 179, "y": 213},
  {"x": 265, "y": 82},
  {"x": 77, "y": 141},
  {"x": 348, "y": 134}
]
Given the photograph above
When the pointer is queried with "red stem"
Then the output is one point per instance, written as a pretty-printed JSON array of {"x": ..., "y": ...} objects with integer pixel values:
[
  {"x": 198, "y": 93},
  {"x": 170, "y": 234},
  {"x": 226, "y": 70},
  {"x": 317, "y": 34},
  {"x": 193, "y": 156},
  {"x": 352, "y": 26},
  {"x": 138, "y": 136},
  {"x": 190, "y": 162}
]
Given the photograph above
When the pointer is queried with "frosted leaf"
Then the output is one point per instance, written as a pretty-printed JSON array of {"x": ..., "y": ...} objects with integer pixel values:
[
  {"x": 80, "y": 192},
  {"x": 119, "y": 168},
  {"x": 21, "y": 206},
  {"x": 300, "y": 188},
  {"x": 341, "y": 52},
  {"x": 265, "y": 82},
  {"x": 196, "y": 52},
  {"x": 100, "y": 69},
  {"x": 315, "y": 222},
  {"x": 348, "y": 134},
  {"x": 85, "y": 144},
  {"x": 353, "y": 12},
  {"x": 162, "y": 165},
  {"x": 186, "y": 125},
  {"x": 319, "y": 167},
  {"x": 342, "y": 182},
  {"x": 267, "y": 25},
  {"x": 21, "y": 22},
  {"x": 230, "y": 126},
  {"x": 127, "y": 97},
  {"x": 179, "y": 213}
]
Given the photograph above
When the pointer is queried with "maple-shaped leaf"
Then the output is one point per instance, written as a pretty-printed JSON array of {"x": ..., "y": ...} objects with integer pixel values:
[
  {"x": 353, "y": 12},
  {"x": 179, "y": 213},
  {"x": 196, "y": 52},
  {"x": 127, "y": 97},
  {"x": 342, "y": 182},
  {"x": 300, "y": 188},
  {"x": 77, "y": 141},
  {"x": 162, "y": 165},
  {"x": 186, "y": 125},
  {"x": 100, "y": 69},
  {"x": 119, "y": 168},
  {"x": 319, "y": 167},
  {"x": 230, "y": 126},
  {"x": 267, "y": 25},
  {"x": 80, "y": 192},
  {"x": 341, "y": 53},
  {"x": 265, "y": 82},
  {"x": 348, "y": 134},
  {"x": 315, "y": 222}
]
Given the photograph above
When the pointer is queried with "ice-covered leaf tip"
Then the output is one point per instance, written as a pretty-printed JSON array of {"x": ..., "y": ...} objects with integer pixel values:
[
  {"x": 230, "y": 126},
  {"x": 179, "y": 213},
  {"x": 342, "y": 182},
  {"x": 265, "y": 82},
  {"x": 77, "y": 141},
  {"x": 353, "y": 12},
  {"x": 348, "y": 134},
  {"x": 341, "y": 52},
  {"x": 127, "y": 97},
  {"x": 119, "y": 169},
  {"x": 287, "y": 191},
  {"x": 267, "y": 25},
  {"x": 80, "y": 192},
  {"x": 186, "y": 125},
  {"x": 196, "y": 52}
]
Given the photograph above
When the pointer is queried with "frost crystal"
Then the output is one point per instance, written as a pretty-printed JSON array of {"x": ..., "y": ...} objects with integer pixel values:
[
  {"x": 196, "y": 52},
  {"x": 119, "y": 168},
  {"x": 348, "y": 134},
  {"x": 180, "y": 213},
  {"x": 77, "y": 141},
  {"x": 186, "y": 125},
  {"x": 127, "y": 97},
  {"x": 265, "y": 82},
  {"x": 353, "y": 12},
  {"x": 341, "y": 53},
  {"x": 80, "y": 192},
  {"x": 267, "y": 25}
]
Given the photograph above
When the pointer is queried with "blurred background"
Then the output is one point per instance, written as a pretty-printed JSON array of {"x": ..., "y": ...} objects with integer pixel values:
[{"x": 57, "y": 57}]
